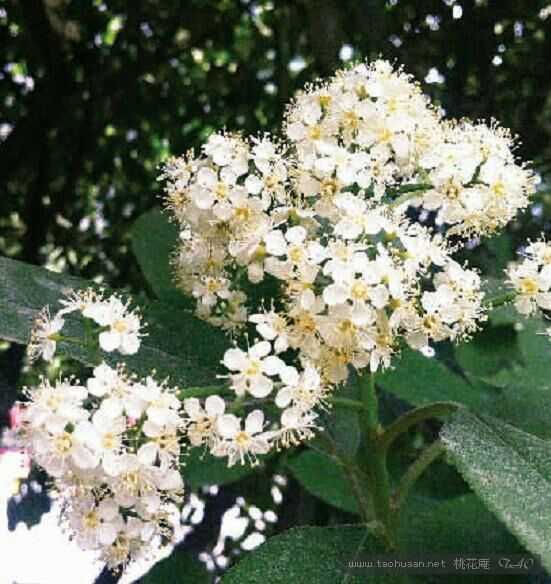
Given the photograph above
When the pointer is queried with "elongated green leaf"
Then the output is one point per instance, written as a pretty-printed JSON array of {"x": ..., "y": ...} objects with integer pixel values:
[
  {"x": 420, "y": 380},
  {"x": 460, "y": 524},
  {"x": 153, "y": 242},
  {"x": 313, "y": 555},
  {"x": 322, "y": 476},
  {"x": 178, "y": 568},
  {"x": 511, "y": 472},
  {"x": 177, "y": 345},
  {"x": 319, "y": 555}
]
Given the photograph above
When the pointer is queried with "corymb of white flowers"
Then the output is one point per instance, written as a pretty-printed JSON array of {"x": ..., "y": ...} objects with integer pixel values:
[
  {"x": 316, "y": 240},
  {"x": 316, "y": 247}
]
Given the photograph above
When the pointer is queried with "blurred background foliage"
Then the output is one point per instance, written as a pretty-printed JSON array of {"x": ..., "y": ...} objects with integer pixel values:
[{"x": 95, "y": 94}]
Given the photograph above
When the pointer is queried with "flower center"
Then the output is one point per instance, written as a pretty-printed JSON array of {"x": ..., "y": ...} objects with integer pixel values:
[
  {"x": 529, "y": 286},
  {"x": 499, "y": 189},
  {"x": 63, "y": 443},
  {"x": 52, "y": 402},
  {"x": 314, "y": 132},
  {"x": 109, "y": 441},
  {"x": 221, "y": 190},
  {"x": 296, "y": 254},
  {"x": 350, "y": 120},
  {"x": 91, "y": 520},
  {"x": 167, "y": 441},
  {"x": 242, "y": 214},
  {"x": 120, "y": 326},
  {"x": 385, "y": 135},
  {"x": 242, "y": 439},
  {"x": 325, "y": 100},
  {"x": 329, "y": 187},
  {"x": 359, "y": 291},
  {"x": 253, "y": 369}
]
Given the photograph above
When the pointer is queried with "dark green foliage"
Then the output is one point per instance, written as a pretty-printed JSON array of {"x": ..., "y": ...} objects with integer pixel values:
[{"x": 177, "y": 345}]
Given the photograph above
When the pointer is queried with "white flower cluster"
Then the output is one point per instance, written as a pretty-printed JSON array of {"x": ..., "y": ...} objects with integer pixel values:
[
  {"x": 312, "y": 245},
  {"x": 119, "y": 328},
  {"x": 225, "y": 202},
  {"x": 112, "y": 447},
  {"x": 476, "y": 186},
  {"x": 313, "y": 242},
  {"x": 531, "y": 279}
]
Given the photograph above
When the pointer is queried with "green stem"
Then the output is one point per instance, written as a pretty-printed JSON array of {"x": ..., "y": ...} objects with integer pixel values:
[
  {"x": 413, "y": 417},
  {"x": 415, "y": 470},
  {"x": 346, "y": 403},
  {"x": 353, "y": 474},
  {"x": 237, "y": 404},
  {"x": 376, "y": 458},
  {"x": 64, "y": 339},
  {"x": 500, "y": 300},
  {"x": 408, "y": 192}
]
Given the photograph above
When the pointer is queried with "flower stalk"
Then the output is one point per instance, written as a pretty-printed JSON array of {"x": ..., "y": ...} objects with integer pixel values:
[{"x": 376, "y": 459}]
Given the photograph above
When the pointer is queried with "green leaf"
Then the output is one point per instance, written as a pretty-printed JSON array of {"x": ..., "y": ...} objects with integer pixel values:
[
  {"x": 319, "y": 554},
  {"x": 493, "y": 349},
  {"x": 421, "y": 380},
  {"x": 526, "y": 399},
  {"x": 460, "y": 524},
  {"x": 308, "y": 555},
  {"x": 178, "y": 345},
  {"x": 535, "y": 348},
  {"x": 323, "y": 477},
  {"x": 511, "y": 472},
  {"x": 179, "y": 567},
  {"x": 342, "y": 432},
  {"x": 153, "y": 240}
]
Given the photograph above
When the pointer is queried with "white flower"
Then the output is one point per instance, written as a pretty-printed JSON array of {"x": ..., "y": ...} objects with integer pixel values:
[
  {"x": 201, "y": 422},
  {"x": 304, "y": 391},
  {"x": 297, "y": 426},
  {"x": 117, "y": 392},
  {"x": 163, "y": 444},
  {"x": 59, "y": 452},
  {"x": 52, "y": 407},
  {"x": 104, "y": 435},
  {"x": 44, "y": 335},
  {"x": 161, "y": 405},
  {"x": 96, "y": 524},
  {"x": 532, "y": 282},
  {"x": 253, "y": 369},
  {"x": 123, "y": 326},
  {"x": 241, "y": 444},
  {"x": 272, "y": 326}
]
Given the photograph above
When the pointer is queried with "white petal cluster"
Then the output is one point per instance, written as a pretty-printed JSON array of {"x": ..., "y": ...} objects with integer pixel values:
[
  {"x": 259, "y": 373},
  {"x": 112, "y": 447},
  {"x": 119, "y": 328},
  {"x": 223, "y": 201},
  {"x": 531, "y": 279},
  {"x": 477, "y": 186},
  {"x": 321, "y": 230}
]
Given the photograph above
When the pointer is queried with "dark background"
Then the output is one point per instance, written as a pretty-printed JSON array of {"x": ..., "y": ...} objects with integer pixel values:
[{"x": 95, "y": 94}]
